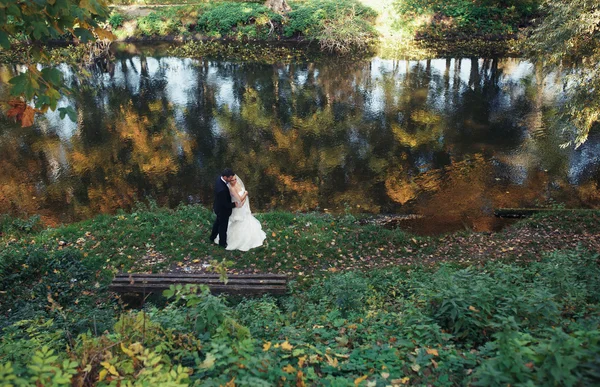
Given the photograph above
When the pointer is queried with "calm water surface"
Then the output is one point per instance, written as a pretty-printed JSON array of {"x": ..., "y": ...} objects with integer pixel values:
[{"x": 449, "y": 139}]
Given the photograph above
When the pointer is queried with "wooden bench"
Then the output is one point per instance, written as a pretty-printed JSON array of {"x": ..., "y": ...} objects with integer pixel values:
[{"x": 240, "y": 284}]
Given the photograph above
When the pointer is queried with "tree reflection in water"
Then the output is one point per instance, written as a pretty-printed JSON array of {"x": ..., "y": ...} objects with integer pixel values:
[{"x": 446, "y": 138}]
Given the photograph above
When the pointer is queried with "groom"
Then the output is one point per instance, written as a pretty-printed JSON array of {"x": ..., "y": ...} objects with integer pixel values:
[{"x": 222, "y": 206}]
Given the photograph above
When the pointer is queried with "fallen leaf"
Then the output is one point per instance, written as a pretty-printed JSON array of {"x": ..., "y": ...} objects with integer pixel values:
[
  {"x": 433, "y": 352},
  {"x": 357, "y": 381},
  {"x": 286, "y": 346}
]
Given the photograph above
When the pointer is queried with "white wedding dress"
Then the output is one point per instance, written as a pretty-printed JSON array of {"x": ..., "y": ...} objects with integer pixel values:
[{"x": 244, "y": 231}]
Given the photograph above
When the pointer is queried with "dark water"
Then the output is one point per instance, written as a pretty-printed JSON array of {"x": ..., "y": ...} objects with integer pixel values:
[{"x": 450, "y": 139}]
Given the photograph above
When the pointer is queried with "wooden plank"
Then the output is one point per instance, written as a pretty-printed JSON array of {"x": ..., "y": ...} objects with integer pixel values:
[
  {"x": 189, "y": 275},
  {"x": 524, "y": 212},
  {"x": 233, "y": 281},
  {"x": 153, "y": 288},
  {"x": 243, "y": 284}
]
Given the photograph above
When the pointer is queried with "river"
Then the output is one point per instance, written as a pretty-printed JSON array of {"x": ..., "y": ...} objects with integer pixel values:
[{"x": 449, "y": 139}]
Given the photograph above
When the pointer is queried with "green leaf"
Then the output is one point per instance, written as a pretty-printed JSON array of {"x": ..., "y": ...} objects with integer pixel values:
[
  {"x": 40, "y": 29},
  {"x": 52, "y": 75},
  {"x": 18, "y": 83},
  {"x": 83, "y": 34},
  {"x": 68, "y": 111},
  {"x": 14, "y": 10},
  {"x": 4, "y": 42}
]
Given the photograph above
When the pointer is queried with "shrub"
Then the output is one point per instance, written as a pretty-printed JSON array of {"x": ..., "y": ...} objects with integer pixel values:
[
  {"x": 262, "y": 316},
  {"x": 470, "y": 303},
  {"x": 440, "y": 18},
  {"x": 226, "y": 19},
  {"x": 337, "y": 25},
  {"x": 157, "y": 24},
  {"x": 18, "y": 227},
  {"x": 116, "y": 20},
  {"x": 557, "y": 358}
]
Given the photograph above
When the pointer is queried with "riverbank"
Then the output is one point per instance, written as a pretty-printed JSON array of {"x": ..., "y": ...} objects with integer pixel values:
[
  {"x": 366, "y": 304},
  {"x": 339, "y": 27},
  {"x": 313, "y": 28}
]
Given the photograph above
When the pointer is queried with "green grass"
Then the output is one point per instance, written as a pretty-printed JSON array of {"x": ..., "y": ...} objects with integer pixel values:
[{"x": 367, "y": 304}]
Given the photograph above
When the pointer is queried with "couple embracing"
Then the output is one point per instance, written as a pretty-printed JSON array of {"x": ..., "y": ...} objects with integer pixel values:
[{"x": 235, "y": 228}]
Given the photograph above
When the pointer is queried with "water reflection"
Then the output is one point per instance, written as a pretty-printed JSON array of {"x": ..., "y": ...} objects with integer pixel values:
[{"x": 447, "y": 138}]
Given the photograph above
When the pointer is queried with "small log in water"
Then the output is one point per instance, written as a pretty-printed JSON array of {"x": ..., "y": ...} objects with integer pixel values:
[{"x": 525, "y": 212}]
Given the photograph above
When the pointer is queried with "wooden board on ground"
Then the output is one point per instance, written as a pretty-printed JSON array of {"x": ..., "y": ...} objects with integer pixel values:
[{"x": 239, "y": 284}]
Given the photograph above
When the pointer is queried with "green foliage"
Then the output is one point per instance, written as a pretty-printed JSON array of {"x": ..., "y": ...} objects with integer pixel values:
[
  {"x": 155, "y": 24},
  {"x": 227, "y": 19},
  {"x": 38, "y": 22},
  {"x": 44, "y": 369},
  {"x": 18, "y": 227},
  {"x": 337, "y": 25},
  {"x": 262, "y": 316},
  {"x": 463, "y": 18},
  {"x": 567, "y": 40},
  {"x": 21, "y": 339},
  {"x": 528, "y": 323},
  {"x": 555, "y": 358},
  {"x": 208, "y": 314},
  {"x": 116, "y": 19}
]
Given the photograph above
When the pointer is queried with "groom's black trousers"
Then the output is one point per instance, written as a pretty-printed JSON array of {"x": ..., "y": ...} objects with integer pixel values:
[{"x": 220, "y": 228}]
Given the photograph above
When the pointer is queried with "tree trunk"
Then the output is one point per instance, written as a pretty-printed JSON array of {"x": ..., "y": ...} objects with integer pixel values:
[{"x": 279, "y": 6}]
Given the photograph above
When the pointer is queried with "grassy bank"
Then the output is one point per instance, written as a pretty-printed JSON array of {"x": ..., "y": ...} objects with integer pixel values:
[
  {"x": 407, "y": 29},
  {"x": 339, "y": 26},
  {"x": 367, "y": 305}
]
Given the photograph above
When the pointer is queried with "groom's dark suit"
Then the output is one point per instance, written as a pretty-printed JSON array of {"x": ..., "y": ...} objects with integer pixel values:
[{"x": 222, "y": 207}]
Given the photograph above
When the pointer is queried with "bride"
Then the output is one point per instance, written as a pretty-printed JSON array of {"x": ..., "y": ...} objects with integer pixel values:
[{"x": 244, "y": 231}]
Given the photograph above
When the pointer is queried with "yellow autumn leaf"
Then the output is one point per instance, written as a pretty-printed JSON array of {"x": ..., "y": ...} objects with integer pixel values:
[
  {"x": 266, "y": 346},
  {"x": 127, "y": 351},
  {"x": 209, "y": 362},
  {"x": 300, "y": 379},
  {"x": 332, "y": 361},
  {"x": 471, "y": 307},
  {"x": 286, "y": 346},
  {"x": 433, "y": 352},
  {"x": 104, "y": 34},
  {"x": 289, "y": 369},
  {"x": 113, "y": 370},
  {"x": 301, "y": 361},
  {"x": 137, "y": 347},
  {"x": 273, "y": 234},
  {"x": 230, "y": 383},
  {"x": 405, "y": 380},
  {"x": 102, "y": 375},
  {"x": 357, "y": 381}
]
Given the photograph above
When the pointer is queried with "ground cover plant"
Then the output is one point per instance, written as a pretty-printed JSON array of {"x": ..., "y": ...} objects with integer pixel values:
[
  {"x": 463, "y": 18},
  {"x": 367, "y": 305},
  {"x": 338, "y": 26}
]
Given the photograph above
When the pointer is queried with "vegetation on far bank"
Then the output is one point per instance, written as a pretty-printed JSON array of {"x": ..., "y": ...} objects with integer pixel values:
[
  {"x": 367, "y": 306},
  {"x": 345, "y": 26}
]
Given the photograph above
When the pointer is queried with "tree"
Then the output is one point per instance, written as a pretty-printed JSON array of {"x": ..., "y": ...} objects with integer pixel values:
[
  {"x": 35, "y": 24},
  {"x": 279, "y": 6},
  {"x": 568, "y": 40}
]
